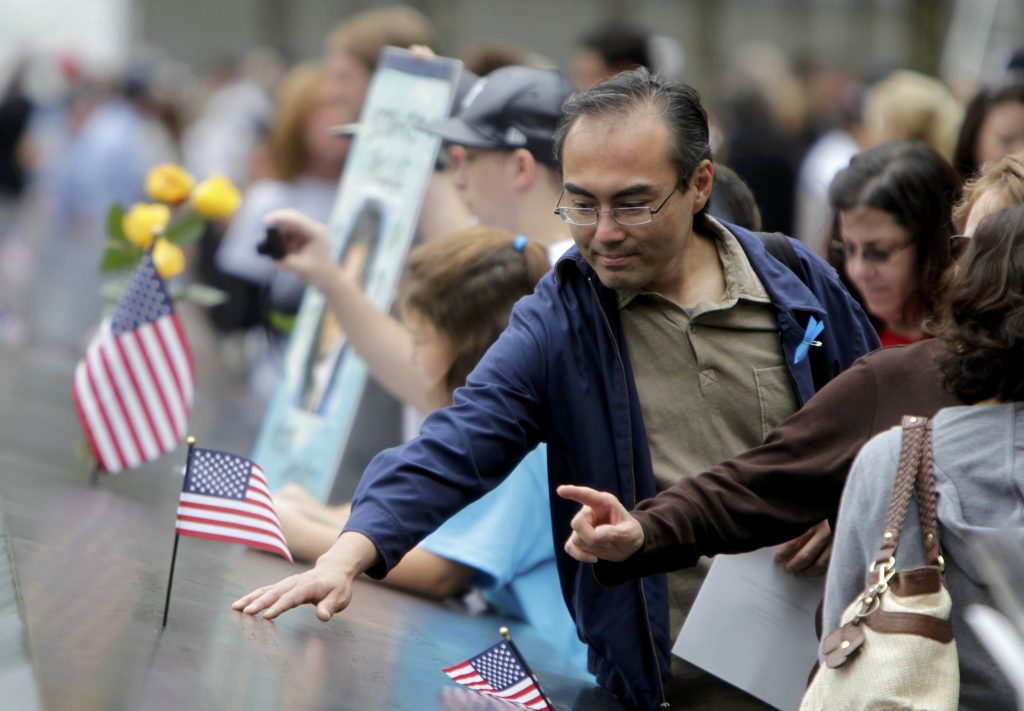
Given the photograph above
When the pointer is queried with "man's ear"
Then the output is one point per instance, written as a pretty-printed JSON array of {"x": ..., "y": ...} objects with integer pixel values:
[
  {"x": 702, "y": 178},
  {"x": 526, "y": 169}
]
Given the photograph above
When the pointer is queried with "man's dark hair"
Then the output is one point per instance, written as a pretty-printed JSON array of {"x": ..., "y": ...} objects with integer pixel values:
[
  {"x": 917, "y": 188},
  {"x": 639, "y": 90},
  {"x": 981, "y": 325}
]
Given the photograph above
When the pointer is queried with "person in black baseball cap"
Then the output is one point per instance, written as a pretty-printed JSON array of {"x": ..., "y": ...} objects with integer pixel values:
[{"x": 508, "y": 175}]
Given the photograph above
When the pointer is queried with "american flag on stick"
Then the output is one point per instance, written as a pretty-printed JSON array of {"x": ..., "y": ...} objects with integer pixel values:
[
  {"x": 500, "y": 672},
  {"x": 225, "y": 497},
  {"x": 133, "y": 389}
]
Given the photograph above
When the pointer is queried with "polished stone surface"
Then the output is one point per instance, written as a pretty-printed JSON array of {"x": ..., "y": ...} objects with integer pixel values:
[{"x": 90, "y": 566}]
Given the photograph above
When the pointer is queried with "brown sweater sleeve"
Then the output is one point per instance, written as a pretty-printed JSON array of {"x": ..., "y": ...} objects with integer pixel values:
[{"x": 774, "y": 492}]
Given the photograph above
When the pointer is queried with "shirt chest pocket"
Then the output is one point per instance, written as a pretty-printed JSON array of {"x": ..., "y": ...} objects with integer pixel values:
[{"x": 775, "y": 396}]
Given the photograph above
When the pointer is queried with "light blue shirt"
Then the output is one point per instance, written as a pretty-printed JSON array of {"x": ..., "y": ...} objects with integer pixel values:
[{"x": 506, "y": 536}]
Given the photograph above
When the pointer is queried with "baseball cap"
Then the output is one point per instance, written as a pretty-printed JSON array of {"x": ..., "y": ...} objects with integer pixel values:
[{"x": 512, "y": 107}]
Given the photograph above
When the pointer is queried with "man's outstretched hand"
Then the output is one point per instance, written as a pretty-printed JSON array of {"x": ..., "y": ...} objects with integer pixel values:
[
  {"x": 603, "y": 529},
  {"x": 328, "y": 585}
]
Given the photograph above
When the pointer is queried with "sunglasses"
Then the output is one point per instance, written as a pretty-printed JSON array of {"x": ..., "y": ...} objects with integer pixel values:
[{"x": 873, "y": 255}]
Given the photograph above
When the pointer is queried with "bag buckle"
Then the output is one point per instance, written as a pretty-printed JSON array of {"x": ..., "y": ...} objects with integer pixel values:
[{"x": 869, "y": 599}]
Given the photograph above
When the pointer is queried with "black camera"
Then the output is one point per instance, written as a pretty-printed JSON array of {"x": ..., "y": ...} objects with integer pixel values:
[{"x": 272, "y": 245}]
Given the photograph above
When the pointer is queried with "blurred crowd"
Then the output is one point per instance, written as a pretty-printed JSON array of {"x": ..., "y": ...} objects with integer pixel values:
[
  {"x": 883, "y": 176},
  {"x": 73, "y": 142}
]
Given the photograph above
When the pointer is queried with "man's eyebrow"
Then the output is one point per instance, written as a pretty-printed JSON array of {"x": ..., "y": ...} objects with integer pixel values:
[{"x": 637, "y": 189}]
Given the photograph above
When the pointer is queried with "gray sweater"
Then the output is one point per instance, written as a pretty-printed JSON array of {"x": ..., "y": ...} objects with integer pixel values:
[{"x": 979, "y": 477}]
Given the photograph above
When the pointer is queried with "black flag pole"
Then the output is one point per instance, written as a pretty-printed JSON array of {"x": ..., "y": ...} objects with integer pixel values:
[
  {"x": 503, "y": 631},
  {"x": 94, "y": 478},
  {"x": 174, "y": 555}
]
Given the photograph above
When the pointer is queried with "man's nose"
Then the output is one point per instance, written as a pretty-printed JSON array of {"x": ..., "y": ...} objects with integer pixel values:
[{"x": 607, "y": 229}]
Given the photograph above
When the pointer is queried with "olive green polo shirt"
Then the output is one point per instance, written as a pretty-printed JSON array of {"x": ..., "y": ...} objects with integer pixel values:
[{"x": 712, "y": 382}]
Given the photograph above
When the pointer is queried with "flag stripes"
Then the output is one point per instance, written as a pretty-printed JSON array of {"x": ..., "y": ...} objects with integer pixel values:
[
  {"x": 133, "y": 389},
  {"x": 225, "y": 497},
  {"x": 499, "y": 672}
]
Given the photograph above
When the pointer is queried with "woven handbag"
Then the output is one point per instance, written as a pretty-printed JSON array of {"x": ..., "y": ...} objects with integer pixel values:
[{"x": 895, "y": 648}]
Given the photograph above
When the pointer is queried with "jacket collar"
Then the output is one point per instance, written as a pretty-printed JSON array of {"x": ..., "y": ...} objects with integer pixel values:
[
  {"x": 569, "y": 260},
  {"x": 785, "y": 288}
]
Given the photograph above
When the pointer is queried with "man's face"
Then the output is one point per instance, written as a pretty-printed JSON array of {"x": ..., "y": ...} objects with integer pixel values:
[
  {"x": 485, "y": 178},
  {"x": 624, "y": 162}
]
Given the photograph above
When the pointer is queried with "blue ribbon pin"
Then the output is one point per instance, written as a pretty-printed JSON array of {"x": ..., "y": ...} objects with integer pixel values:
[{"x": 814, "y": 329}]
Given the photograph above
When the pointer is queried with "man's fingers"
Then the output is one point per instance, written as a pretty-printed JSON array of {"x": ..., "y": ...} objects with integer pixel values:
[
  {"x": 262, "y": 603},
  {"x": 583, "y": 520},
  {"x": 572, "y": 547},
  {"x": 582, "y": 495},
  {"x": 285, "y": 601},
  {"x": 336, "y": 601},
  {"x": 246, "y": 599}
]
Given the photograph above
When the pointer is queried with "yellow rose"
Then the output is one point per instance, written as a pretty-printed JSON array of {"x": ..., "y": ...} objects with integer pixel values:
[
  {"x": 143, "y": 220},
  {"x": 168, "y": 259},
  {"x": 216, "y": 198},
  {"x": 169, "y": 184}
]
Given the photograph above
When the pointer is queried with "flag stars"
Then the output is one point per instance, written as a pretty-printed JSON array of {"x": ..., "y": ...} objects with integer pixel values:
[
  {"x": 499, "y": 666},
  {"x": 218, "y": 474},
  {"x": 144, "y": 300}
]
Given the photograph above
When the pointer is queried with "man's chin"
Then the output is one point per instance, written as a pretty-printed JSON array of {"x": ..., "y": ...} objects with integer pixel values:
[{"x": 620, "y": 280}]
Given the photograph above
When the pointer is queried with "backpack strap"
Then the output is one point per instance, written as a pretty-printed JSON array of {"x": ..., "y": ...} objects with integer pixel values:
[{"x": 779, "y": 246}]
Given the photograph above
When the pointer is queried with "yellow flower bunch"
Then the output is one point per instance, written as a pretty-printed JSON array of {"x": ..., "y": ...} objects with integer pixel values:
[
  {"x": 177, "y": 217},
  {"x": 143, "y": 222},
  {"x": 169, "y": 184},
  {"x": 216, "y": 198}
]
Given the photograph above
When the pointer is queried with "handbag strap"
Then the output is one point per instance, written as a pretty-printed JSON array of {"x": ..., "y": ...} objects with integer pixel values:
[
  {"x": 915, "y": 471},
  {"x": 926, "y": 501}
]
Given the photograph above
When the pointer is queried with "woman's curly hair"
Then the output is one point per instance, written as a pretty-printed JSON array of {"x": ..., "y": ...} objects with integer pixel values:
[{"x": 981, "y": 322}]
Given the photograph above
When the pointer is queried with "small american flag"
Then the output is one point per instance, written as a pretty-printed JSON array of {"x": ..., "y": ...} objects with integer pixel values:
[
  {"x": 133, "y": 389},
  {"x": 225, "y": 497},
  {"x": 498, "y": 672}
]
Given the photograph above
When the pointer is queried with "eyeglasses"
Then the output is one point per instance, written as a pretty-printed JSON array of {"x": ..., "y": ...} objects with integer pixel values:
[
  {"x": 872, "y": 255},
  {"x": 625, "y": 216}
]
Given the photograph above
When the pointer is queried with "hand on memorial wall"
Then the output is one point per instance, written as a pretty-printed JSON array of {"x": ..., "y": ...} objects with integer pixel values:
[
  {"x": 308, "y": 248},
  {"x": 603, "y": 529},
  {"x": 327, "y": 586},
  {"x": 807, "y": 555}
]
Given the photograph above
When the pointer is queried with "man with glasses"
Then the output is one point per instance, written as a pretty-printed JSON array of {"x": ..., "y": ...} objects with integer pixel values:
[{"x": 666, "y": 341}]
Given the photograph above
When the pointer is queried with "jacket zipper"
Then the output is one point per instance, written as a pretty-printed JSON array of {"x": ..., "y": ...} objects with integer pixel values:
[{"x": 632, "y": 475}]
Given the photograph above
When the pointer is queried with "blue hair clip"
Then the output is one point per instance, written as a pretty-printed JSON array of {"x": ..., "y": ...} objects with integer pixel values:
[{"x": 520, "y": 243}]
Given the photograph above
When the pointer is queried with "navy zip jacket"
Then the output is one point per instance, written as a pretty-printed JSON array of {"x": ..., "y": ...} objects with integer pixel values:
[{"x": 560, "y": 373}]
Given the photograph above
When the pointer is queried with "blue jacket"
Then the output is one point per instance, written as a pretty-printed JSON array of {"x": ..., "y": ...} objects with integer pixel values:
[{"x": 560, "y": 373}]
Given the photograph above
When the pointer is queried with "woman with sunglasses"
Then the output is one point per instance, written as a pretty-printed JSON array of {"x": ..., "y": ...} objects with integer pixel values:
[
  {"x": 979, "y": 474},
  {"x": 891, "y": 233}
]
